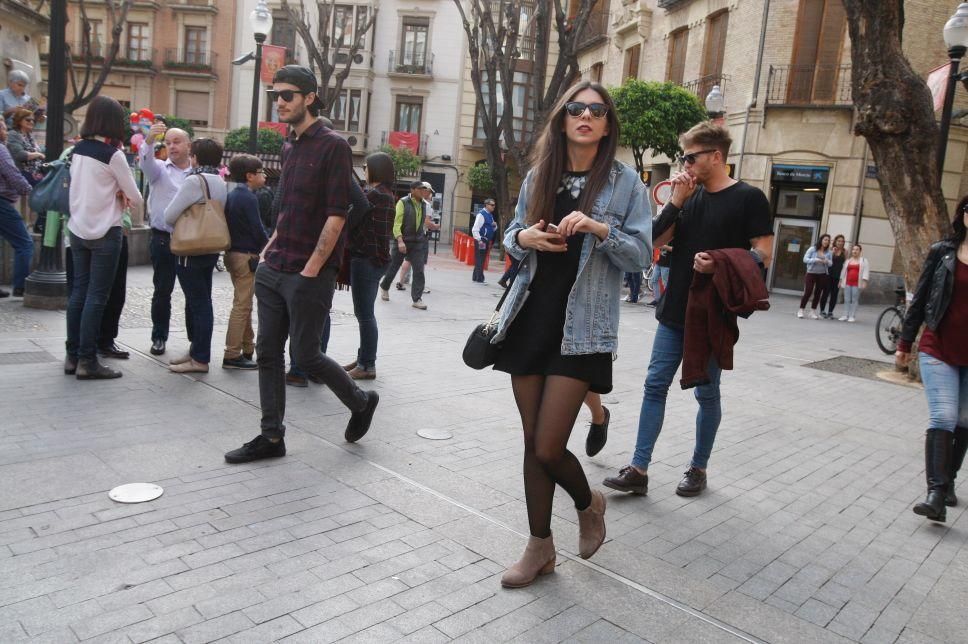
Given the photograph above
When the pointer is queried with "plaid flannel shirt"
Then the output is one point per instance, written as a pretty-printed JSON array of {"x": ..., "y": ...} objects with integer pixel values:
[{"x": 371, "y": 239}]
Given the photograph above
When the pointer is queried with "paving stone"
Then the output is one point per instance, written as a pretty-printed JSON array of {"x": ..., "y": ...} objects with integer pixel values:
[{"x": 214, "y": 629}]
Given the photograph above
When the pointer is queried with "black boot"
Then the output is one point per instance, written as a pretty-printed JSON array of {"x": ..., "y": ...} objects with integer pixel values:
[
  {"x": 937, "y": 459},
  {"x": 960, "y": 446}
]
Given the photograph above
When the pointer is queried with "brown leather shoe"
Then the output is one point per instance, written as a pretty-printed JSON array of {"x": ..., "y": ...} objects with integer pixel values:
[
  {"x": 628, "y": 480},
  {"x": 359, "y": 373},
  {"x": 296, "y": 381},
  {"x": 591, "y": 526},
  {"x": 350, "y": 366},
  {"x": 538, "y": 559}
]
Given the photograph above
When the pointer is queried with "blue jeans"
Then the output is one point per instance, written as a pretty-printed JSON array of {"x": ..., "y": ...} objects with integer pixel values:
[
  {"x": 163, "y": 263},
  {"x": 635, "y": 285},
  {"x": 196, "y": 283},
  {"x": 95, "y": 262},
  {"x": 12, "y": 229},
  {"x": 364, "y": 282},
  {"x": 947, "y": 390},
  {"x": 660, "y": 277},
  {"x": 665, "y": 360}
]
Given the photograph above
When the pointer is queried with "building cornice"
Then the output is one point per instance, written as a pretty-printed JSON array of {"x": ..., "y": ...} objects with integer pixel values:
[{"x": 26, "y": 13}]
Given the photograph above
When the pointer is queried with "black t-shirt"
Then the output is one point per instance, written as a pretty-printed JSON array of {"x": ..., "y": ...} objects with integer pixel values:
[{"x": 728, "y": 218}]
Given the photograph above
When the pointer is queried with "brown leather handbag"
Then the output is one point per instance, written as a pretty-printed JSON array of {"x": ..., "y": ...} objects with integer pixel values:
[{"x": 201, "y": 229}]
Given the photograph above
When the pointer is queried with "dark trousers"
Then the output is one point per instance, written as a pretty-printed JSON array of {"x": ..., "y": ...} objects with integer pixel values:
[
  {"x": 95, "y": 262},
  {"x": 12, "y": 229},
  {"x": 111, "y": 317},
  {"x": 163, "y": 263},
  {"x": 364, "y": 279},
  {"x": 510, "y": 271},
  {"x": 295, "y": 306},
  {"x": 195, "y": 278},
  {"x": 417, "y": 256},
  {"x": 635, "y": 285},
  {"x": 833, "y": 291},
  {"x": 480, "y": 254},
  {"x": 815, "y": 284},
  {"x": 323, "y": 346}
]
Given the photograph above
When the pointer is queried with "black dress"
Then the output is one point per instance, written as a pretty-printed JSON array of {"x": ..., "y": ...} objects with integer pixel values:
[{"x": 532, "y": 345}]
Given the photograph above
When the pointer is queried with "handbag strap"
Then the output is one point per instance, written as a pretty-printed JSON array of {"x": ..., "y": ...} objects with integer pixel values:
[
  {"x": 511, "y": 277},
  {"x": 208, "y": 195}
]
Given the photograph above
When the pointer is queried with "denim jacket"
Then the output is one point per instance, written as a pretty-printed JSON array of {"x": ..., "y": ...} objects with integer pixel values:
[{"x": 591, "y": 317}]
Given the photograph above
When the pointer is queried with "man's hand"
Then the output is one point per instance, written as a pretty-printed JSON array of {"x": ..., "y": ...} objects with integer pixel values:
[
  {"x": 579, "y": 222},
  {"x": 402, "y": 247},
  {"x": 33, "y": 156},
  {"x": 683, "y": 185},
  {"x": 703, "y": 263},
  {"x": 311, "y": 269},
  {"x": 536, "y": 237},
  {"x": 156, "y": 132}
]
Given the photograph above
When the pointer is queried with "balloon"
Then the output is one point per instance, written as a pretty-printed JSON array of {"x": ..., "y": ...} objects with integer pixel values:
[{"x": 137, "y": 140}]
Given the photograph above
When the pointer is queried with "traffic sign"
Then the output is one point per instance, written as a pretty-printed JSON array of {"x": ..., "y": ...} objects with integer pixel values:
[{"x": 662, "y": 192}]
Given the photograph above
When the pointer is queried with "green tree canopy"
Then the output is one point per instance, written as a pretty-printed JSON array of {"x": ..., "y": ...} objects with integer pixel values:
[
  {"x": 267, "y": 142},
  {"x": 653, "y": 115},
  {"x": 181, "y": 124},
  {"x": 480, "y": 180},
  {"x": 405, "y": 162}
]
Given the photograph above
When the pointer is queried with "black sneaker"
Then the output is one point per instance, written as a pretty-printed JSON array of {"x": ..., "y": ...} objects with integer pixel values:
[
  {"x": 597, "y": 435},
  {"x": 18, "y": 292},
  {"x": 360, "y": 420},
  {"x": 628, "y": 480},
  {"x": 4, "y": 293},
  {"x": 257, "y": 449},
  {"x": 693, "y": 482},
  {"x": 239, "y": 363}
]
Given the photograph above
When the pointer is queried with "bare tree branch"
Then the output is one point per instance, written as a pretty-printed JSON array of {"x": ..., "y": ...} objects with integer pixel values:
[{"x": 117, "y": 17}]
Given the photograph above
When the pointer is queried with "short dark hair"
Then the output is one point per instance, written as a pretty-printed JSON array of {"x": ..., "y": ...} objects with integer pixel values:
[
  {"x": 416, "y": 184},
  {"x": 379, "y": 169},
  {"x": 958, "y": 223},
  {"x": 105, "y": 117},
  {"x": 207, "y": 151},
  {"x": 241, "y": 165}
]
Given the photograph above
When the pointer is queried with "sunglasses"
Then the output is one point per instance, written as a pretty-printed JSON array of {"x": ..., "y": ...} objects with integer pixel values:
[
  {"x": 577, "y": 108},
  {"x": 692, "y": 156},
  {"x": 285, "y": 94}
]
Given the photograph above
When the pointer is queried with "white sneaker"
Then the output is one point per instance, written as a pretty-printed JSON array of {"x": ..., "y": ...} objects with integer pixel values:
[
  {"x": 814, "y": 316},
  {"x": 842, "y": 319},
  {"x": 800, "y": 313},
  {"x": 851, "y": 320},
  {"x": 419, "y": 305},
  {"x": 384, "y": 295}
]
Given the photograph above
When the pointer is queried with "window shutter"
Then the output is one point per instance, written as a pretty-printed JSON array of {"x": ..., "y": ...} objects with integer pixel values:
[
  {"x": 676, "y": 66},
  {"x": 632, "y": 56},
  {"x": 806, "y": 39},
  {"x": 715, "y": 47},
  {"x": 829, "y": 45},
  {"x": 192, "y": 106}
]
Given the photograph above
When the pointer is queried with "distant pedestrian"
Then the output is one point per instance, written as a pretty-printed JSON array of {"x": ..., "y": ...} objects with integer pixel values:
[
  {"x": 940, "y": 303},
  {"x": 295, "y": 281},
  {"x": 634, "y": 281},
  {"x": 559, "y": 324},
  {"x": 15, "y": 95},
  {"x": 102, "y": 186},
  {"x": 853, "y": 279},
  {"x": 248, "y": 239},
  {"x": 817, "y": 280},
  {"x": 409, "y": 230},
  {"x": 838, "y": 255},
  {"x": 195, "y": 272},
  {"x": 24, "y": 150},
  {"x": 12, "y": 228},
  {"x": 660, "y": 274},
  {"x": 483, "y": 232}
]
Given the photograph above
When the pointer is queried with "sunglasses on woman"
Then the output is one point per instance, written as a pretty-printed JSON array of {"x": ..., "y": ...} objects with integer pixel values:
[
  {"x": 577, "y": 108},
  {"x": 285, "y": 94}
]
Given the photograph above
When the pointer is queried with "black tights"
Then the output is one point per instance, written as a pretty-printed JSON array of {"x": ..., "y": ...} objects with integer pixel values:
[{"x": 548, "y": 407}]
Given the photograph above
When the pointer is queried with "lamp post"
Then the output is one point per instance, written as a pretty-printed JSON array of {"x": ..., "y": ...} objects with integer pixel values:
[
  {"x": 716, "y": 104},
  {"x": 261, "y": 21},
  {"x": 956, "y": 38}
]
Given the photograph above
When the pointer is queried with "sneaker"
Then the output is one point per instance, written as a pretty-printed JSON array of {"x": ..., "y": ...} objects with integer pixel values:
[
  {"x": 257, "y": 449},
  {"x": 293, "y": 380},
  {"x": 360, "y": 420},
  {"x": 384, "y": 295},
  {"x": 851, "y": 320},
  {"x": 814, "y": 316},
  {"x": 842, "y": 318},
  {"x": 800, "y": 313},
  {"x": 628, "y": 480},
  {"x": 597, "y": 435},
  {"x": 419, "y": 305},
  {"x": 248, "y": 356},
  {"x": 627, "y": 298},
  {"x": 246, "y": 364},
  {"x": 693, "y": 482}
]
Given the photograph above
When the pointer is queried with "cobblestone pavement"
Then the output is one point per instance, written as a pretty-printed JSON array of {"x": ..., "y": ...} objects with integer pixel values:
[{"x": 805, "y": 533}]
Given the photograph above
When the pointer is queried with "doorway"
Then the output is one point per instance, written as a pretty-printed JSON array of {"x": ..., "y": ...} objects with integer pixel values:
[{"x": 793, "y": 238}]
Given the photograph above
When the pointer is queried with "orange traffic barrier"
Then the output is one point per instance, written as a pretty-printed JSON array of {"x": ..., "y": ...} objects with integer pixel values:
[{"x": 471, "y": 251}]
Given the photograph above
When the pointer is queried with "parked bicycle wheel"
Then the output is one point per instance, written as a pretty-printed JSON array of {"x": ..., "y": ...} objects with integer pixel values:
[{"x": 888, "y": 329}]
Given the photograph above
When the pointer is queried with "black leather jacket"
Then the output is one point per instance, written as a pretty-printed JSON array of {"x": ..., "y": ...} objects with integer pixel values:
[{"x": 933, "y": 293}]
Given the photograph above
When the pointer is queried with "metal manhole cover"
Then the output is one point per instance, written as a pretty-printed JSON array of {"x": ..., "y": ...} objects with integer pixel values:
[
  {"x": 26, "y": 357},
  {"x": 434, "y": 434},
  {"x": 135, "y": 493}
]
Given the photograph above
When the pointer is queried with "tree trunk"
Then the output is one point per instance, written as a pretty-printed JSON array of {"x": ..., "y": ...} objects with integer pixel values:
[{"x": 894, "y": 112}]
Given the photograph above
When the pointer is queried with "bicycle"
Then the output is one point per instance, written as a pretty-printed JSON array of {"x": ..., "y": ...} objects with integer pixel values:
[{"x": 887, "y": 331}]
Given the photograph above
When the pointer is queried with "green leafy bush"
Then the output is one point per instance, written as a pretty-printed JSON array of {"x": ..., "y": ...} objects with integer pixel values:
[
  {"x": 405, "y": 162},
  {"x": 480, "y": 180},
  {"x": 268, "y": 142},
  {"x": 181, "y": 124}
]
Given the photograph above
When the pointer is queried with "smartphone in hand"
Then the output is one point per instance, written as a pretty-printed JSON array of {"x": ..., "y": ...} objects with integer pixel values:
[{"x": 551, "y": 228}]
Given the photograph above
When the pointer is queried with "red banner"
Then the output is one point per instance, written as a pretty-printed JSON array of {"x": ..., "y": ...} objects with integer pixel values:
[
  {"x": 273, "y": 57},
  {"x": 281, "y": 128},
  {"x": 405, "y": 140}
]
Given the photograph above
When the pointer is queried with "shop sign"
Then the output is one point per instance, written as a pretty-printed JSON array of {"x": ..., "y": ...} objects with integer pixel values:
[{"x": 800, "y": 174}]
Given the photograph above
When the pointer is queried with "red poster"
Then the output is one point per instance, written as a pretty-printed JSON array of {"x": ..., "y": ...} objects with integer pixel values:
[
  {"x": 281, "y": 128},
  {"x": 405, "y": 140},
  {"x": 273, "y": 57}
]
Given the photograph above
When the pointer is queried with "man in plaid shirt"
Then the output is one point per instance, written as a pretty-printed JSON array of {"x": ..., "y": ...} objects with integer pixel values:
[{"x": 296, "y": 277}]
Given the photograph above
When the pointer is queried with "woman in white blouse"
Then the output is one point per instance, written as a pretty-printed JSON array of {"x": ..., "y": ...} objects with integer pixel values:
[
  {"x": 195, "y": 272},
  {"x": 101, "y": 187}
]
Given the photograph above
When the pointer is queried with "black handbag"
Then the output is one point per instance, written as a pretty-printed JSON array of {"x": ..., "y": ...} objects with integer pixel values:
[{"x": 478, "y": 350}]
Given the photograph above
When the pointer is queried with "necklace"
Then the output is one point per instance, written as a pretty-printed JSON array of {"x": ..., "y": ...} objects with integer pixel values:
[{"x": 573, "y": 183}]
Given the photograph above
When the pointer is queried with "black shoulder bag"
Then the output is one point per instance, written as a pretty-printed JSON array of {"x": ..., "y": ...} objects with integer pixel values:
[{"x": 478, "y": 350}]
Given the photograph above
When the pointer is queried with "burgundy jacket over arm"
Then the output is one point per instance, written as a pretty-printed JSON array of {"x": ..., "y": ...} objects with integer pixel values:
[{"x": 735, "y": 288}]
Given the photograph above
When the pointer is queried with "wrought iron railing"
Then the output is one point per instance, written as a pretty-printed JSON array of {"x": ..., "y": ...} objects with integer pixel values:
[
  {"x": 190, "y": 59},
  {"x": 809, "y": 85},
  {"x": 421, "y": 63},
  {"x": 703, "y": 85}
]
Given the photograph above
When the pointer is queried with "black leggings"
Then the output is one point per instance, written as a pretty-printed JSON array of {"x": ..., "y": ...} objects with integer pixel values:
[
  {"x": 817, "y": 285},
  {"x": 549, "y": 406}
]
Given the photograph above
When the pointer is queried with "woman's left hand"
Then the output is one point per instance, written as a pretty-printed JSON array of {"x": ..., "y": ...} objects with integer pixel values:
[{"x": 579, "y": 222}]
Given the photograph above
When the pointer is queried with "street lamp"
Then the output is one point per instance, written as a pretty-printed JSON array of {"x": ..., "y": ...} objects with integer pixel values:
[
  {"x": 956, "y": 38},
  {"x": 715, "y": 104},
  {"x": 261, "y": 21}
]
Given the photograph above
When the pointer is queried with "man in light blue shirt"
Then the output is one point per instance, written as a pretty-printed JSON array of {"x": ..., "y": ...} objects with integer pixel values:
[{"x": 164, "y": 179}]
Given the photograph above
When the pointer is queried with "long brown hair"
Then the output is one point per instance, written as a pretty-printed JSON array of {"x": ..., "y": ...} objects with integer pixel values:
[{"x": 550, "y": 155}]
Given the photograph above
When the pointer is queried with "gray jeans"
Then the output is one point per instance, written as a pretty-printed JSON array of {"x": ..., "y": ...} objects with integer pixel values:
[
  {"x": 295, "y": 306},
  {"x": 417, "y": 255}
]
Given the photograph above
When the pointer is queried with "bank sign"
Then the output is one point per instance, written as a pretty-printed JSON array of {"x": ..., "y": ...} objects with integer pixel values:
[{"x": 800, "y": 174}]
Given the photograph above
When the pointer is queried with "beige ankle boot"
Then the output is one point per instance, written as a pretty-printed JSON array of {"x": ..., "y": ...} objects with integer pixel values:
[
  {"x": 538, "y": 559},
  {"x": 591, "y": 526}
]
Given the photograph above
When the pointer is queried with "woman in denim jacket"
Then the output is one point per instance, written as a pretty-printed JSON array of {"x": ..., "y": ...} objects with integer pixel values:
[{"x": 582, "y": 221}]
